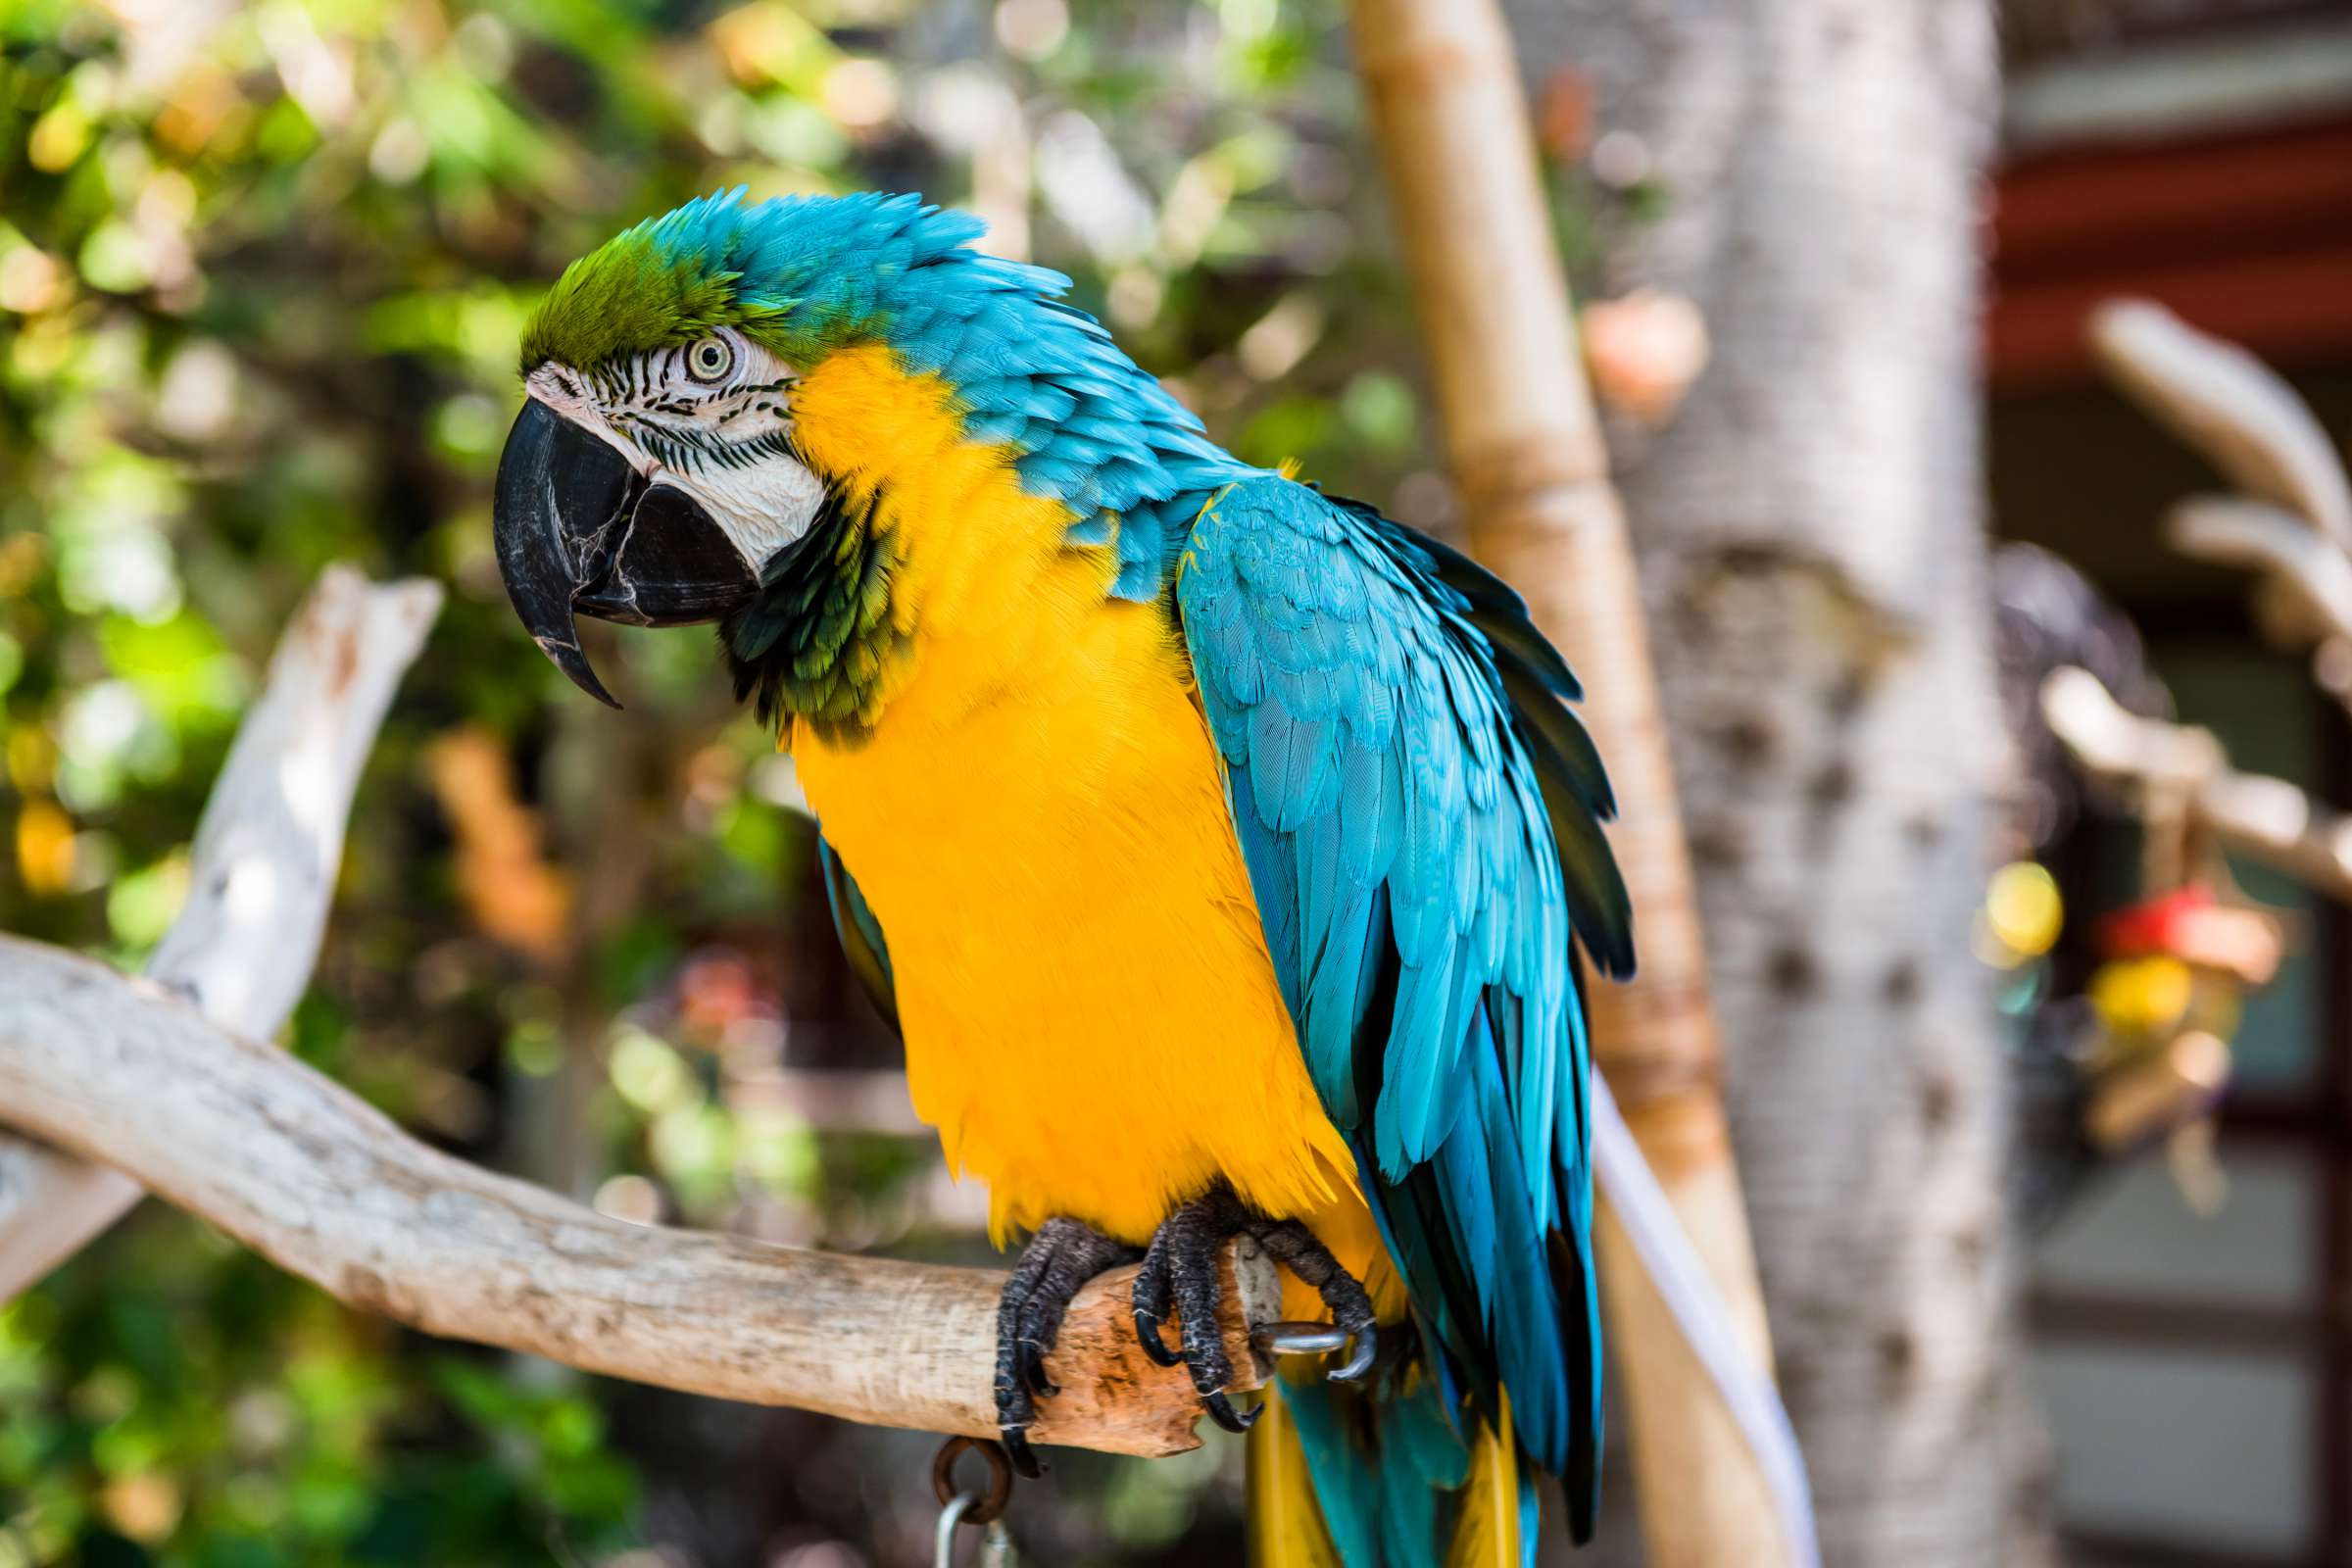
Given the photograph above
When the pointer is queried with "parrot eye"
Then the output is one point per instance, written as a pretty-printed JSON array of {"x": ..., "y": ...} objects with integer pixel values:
[{"x": 710, "y": 360}]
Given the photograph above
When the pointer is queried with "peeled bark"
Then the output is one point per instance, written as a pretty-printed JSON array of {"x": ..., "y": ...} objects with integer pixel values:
[{"x": 1811, "y": 536}]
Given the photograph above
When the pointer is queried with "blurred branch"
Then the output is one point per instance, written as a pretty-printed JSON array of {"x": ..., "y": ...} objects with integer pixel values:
[
  {"x": 2314, "y": 573},
  {"x": 2292, "y": 528},
  {"x": 2305, "y": 596},
  {"x": 300, "y": 1170},
  {"x": 2229, "y": 406},
  {"x": 263, "y": 872},
  {"x": 2267, "y": 820}
]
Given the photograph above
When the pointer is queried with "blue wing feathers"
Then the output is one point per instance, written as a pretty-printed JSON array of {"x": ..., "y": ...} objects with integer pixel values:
[
  {"x": 860, "y": 934},
  {"x": 1420, "y": 812}
]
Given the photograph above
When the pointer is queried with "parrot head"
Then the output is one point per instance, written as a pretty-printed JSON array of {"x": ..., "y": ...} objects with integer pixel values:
[
  {"x": 718, "y": 397},
  {"x": 653, "y": 476}
]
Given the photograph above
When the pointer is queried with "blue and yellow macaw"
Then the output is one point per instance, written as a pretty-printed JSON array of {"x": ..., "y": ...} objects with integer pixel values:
[{"x": 1216, "y": 845}]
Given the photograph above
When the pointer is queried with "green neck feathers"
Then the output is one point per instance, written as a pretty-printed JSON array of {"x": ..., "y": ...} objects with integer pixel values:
[{"x": 819, "y": 643}]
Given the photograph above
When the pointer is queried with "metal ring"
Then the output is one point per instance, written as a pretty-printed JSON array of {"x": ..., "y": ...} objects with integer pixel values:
[
  {"x": 1000, "y": 1477},
  {"x": 1298, "y": 1338}
]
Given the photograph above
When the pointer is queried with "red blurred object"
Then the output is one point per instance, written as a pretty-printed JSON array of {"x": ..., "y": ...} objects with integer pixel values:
[
  {"x": 2191, "y": 925},
  {"x": 2156, "y": 926}
]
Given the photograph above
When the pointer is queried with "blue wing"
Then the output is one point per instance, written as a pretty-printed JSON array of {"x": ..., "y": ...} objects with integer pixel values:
[
  {"x": 1421, "y": 817},
  {"x": 861, "y": 942}
]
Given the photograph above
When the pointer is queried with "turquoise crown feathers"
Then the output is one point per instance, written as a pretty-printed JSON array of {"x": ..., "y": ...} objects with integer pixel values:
[{"x": 806, "y": 276}]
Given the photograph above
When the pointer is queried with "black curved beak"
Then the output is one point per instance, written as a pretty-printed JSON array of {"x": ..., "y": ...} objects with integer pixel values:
[{"x": 578, "y": 529}]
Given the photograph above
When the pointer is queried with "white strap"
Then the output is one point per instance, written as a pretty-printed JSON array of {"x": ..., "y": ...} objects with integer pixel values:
[{"x": 1699, "y": 1309}]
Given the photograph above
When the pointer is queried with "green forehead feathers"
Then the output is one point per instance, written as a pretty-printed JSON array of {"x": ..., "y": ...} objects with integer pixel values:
[
  {"x": 651, "y": 286},
  {"x": 801, "y": 273}
]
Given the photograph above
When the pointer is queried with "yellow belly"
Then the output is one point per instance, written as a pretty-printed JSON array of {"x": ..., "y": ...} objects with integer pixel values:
[
  {"x": 1037, "y": 818},
  {"x": 1092, "y": 1019}
]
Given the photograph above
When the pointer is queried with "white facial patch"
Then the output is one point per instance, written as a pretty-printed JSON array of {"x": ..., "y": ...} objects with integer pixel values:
[{"x": 716, "y": 425}]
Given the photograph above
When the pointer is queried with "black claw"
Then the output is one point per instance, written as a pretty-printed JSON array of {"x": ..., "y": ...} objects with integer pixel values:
[
  {"x": 1180, "y": 1273},
  {"x": 1064, "y": 1255},
  {"x": 1221, "y": 1412},
  {"x": 1017, "y": 1450},
  {"x": 1367, "y": 1351},
  {"x": 1033, "y": 1370},
  {"x": 1147, "y": 1334}
]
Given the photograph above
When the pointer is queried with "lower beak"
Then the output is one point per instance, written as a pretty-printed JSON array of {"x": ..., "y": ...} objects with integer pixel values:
[{"x": 578, "y": 529}]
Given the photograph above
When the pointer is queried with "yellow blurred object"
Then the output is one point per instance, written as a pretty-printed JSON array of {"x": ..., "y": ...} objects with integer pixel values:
[
  {"x": 44, "y": 848},
  {"x": 58, "y": 138},
  {"x": 2023, "y": 908},
  {"x": 767, "y": 41},
  {"x": 32, "y": 758},
  {"x": 145, "y": 1506},
  {"x": 2141, "y": 996}
]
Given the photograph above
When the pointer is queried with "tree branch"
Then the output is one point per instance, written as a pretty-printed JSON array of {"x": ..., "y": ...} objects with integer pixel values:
[
  {"x": 261, "y": 874},
  {"x": 2229, "y": 406},
  {"x": 2312, "y": 569},
  {"x": 305, "y": 1173},
  {"x": 2264, "y": 818}
]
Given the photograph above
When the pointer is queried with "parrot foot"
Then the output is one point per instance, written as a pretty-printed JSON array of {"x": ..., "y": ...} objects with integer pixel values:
[
  {"x": 1060, "y": 1257},
  {"x": 1180, "y": 1273}
]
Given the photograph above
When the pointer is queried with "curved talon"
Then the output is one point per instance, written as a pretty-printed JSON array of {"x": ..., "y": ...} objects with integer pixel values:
[
  {"x": 1220, "y": 1411},
  {"x": 1016, "y": 1448},
  {"x": 1359, "y": 1363},
  {"x": 1147, "y": 1334},
  {"x": 1033, "y": 1370},
  {"x": 1062, "y": 1256}
]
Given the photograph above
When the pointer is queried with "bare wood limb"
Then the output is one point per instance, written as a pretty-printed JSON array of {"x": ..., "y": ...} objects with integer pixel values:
[
  {"x": 2233, "y": 532},
  {"x": 2229, "y": 406},
  {"x": 2266, "y": 819},
  {"x": 303, "y": 1172},
  {"x": 262, "y": 873},
  {"x": 1526, "y": 452}
]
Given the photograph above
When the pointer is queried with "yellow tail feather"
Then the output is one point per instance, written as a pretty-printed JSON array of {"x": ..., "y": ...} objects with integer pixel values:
[
  {"x": 1486, "y": 1534},
  {"x": 1286, "y": 1527}
]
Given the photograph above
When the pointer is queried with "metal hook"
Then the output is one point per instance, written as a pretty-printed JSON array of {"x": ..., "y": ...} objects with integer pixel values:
[
  {"x": 972, "y": 1507},
  {"x": 942, "y": 1548}
]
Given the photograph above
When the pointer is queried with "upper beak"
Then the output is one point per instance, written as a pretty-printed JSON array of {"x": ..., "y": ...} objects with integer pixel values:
[{"x": 578, "y": 528}]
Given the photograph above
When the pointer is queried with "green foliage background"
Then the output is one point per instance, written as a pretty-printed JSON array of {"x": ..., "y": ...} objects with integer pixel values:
[{"x": 262, "y": 271}]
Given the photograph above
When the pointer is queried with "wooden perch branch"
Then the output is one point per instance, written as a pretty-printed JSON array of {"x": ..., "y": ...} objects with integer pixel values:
[
  {"x": 305, "y": 1173},
  {"x": 2267, "y": 820},
  {"x": 262, "y": 873}
]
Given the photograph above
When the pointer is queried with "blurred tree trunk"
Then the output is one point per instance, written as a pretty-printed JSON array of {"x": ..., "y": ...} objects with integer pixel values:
[{"x": 1811, "y": 532}]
